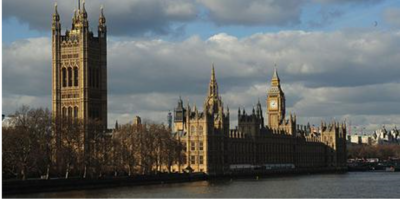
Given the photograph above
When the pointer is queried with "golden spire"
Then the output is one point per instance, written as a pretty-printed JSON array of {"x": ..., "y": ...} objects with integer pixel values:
[{"x": 275, "y": 78}]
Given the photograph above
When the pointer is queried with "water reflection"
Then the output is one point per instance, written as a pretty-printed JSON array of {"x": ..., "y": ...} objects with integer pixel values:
[{"x": 364, "y": 184}]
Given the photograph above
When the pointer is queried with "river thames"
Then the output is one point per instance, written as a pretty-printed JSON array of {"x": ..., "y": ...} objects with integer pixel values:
[{"x": 348, "y": 185}]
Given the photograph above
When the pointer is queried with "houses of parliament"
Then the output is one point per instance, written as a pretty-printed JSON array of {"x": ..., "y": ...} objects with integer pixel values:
[
  {"x": 212, "y": 147},
  {"x": 79, "y": 90}
]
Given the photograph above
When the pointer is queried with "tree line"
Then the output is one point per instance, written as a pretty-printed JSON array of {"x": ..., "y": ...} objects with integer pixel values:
[
  {"x": 35, "y": 145},
  {"x": 383, "y": 152}
]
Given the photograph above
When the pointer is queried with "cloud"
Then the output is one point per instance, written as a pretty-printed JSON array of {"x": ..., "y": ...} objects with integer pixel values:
[
  {"x": 335, "y": 74},
  {"x": 327, "y": 17},
  {"x": 27, "y": 67},
  {"x": 392, "y": 16},
  {"x": 365, "y": 2},
  {"x": 125, "y": 17},
  {"x": 254, "y": 12}
]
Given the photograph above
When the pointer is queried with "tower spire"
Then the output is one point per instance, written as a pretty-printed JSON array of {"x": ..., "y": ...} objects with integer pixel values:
[
  {"x": 101, "y": 11},
  {"x": 79, "y": 4},
  {"x": 275, "y": 76},
  {"x": 102, "y": 19},
  {"x": 213, "y": 90},
  {"x": 55, "y": 8},
  {"x": 213, "y": 73},
  {"x": 56, "y": 16}
]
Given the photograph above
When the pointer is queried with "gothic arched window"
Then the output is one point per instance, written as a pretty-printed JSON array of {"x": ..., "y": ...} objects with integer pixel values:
[
  {"x": 97, "y": 78},
  {"x": 200, "y": 130},
  {"x": 76, "y": 76},
  {"x": 192, "y": 129},
  {"x": 75, "y": 112},
  {"x": 64, "y": 112},
  {"x": 64, "y": 77},
  {"x": 70, "y": 112},
  {"x": 90, "y": 77},
  {"x": 69, "y": 77}
]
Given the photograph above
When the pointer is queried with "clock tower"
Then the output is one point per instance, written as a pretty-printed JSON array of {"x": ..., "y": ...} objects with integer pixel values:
[{"x": 275, "y": 102}]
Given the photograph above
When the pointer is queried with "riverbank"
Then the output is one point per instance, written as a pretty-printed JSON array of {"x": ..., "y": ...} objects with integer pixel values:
[
  {"x": 14, "y": 187},
  {"x": 54, "y": 185}
]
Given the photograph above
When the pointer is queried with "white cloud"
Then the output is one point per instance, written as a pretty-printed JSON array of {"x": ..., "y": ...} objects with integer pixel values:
[{"x": 324, "y": 75}]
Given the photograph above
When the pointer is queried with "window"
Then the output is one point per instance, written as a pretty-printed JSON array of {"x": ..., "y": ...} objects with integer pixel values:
[
  {"x": 201, "y": 146},
  {"x": 184, "y": 146},
  {"x": 76, "y": 76},
  {"x": 69, "y": 77},
  {"x": 192, "y": 159},
  {"x": 200, "y": 130},
  {"x": 98, "y": 78},
  {"x": 90, "y": 77},
  {"x": 75, "y": 112},
  {"x": 70, "y": 112},
  {"x": 192, "y": 146},
  {"x": 93, "y": 77},
  {"x": 64, "y": 112},
  {"x": 201, "y": 159},
  {"x": 64, "y": 77},
  {"x": 192, "y": 129}
]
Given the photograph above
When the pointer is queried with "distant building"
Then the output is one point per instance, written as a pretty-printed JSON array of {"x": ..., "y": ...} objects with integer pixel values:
[
  {"x": 379, "y": 137},
  {"x": 211, "y": 147}
]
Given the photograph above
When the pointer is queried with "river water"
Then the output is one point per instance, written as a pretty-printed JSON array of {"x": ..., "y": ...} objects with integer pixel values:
[{"x": 348, "y": 185}]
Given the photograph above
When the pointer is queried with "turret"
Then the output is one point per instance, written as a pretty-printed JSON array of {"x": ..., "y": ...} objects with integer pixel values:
[
  {"x": 116, "y": 125},
  {"x": 83, "y": 18},
  {"x": 102, "y": 23},
  {"x": 169, "y": 119},
  {"x": 83, "y": 12},
  {"x": 179, "y": 113},
  {"x": 56, "y": 27}
]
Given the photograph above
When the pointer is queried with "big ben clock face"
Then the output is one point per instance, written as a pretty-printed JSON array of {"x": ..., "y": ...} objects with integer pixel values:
[{"x": 273, "y": 104}]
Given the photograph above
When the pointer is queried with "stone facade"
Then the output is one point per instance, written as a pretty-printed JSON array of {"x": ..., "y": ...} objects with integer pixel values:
[
  {"x": 79, "y": 66},
  {"x": 213, "y": 148}
]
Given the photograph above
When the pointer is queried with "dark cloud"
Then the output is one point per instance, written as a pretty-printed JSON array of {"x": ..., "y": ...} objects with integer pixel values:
[
  {"x": 254, "y": 12},
  {"x": 125, "y": 17},
  {"x": 327, "y": 17}
]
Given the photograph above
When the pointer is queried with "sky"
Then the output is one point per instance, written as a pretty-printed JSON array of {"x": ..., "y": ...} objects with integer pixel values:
[{"x": 337, "y": 59}]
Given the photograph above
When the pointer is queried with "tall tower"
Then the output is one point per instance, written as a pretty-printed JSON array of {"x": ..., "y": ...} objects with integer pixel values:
[
  {"x": 275, "y": 102},
  {"x": 79, "y": 69}
]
